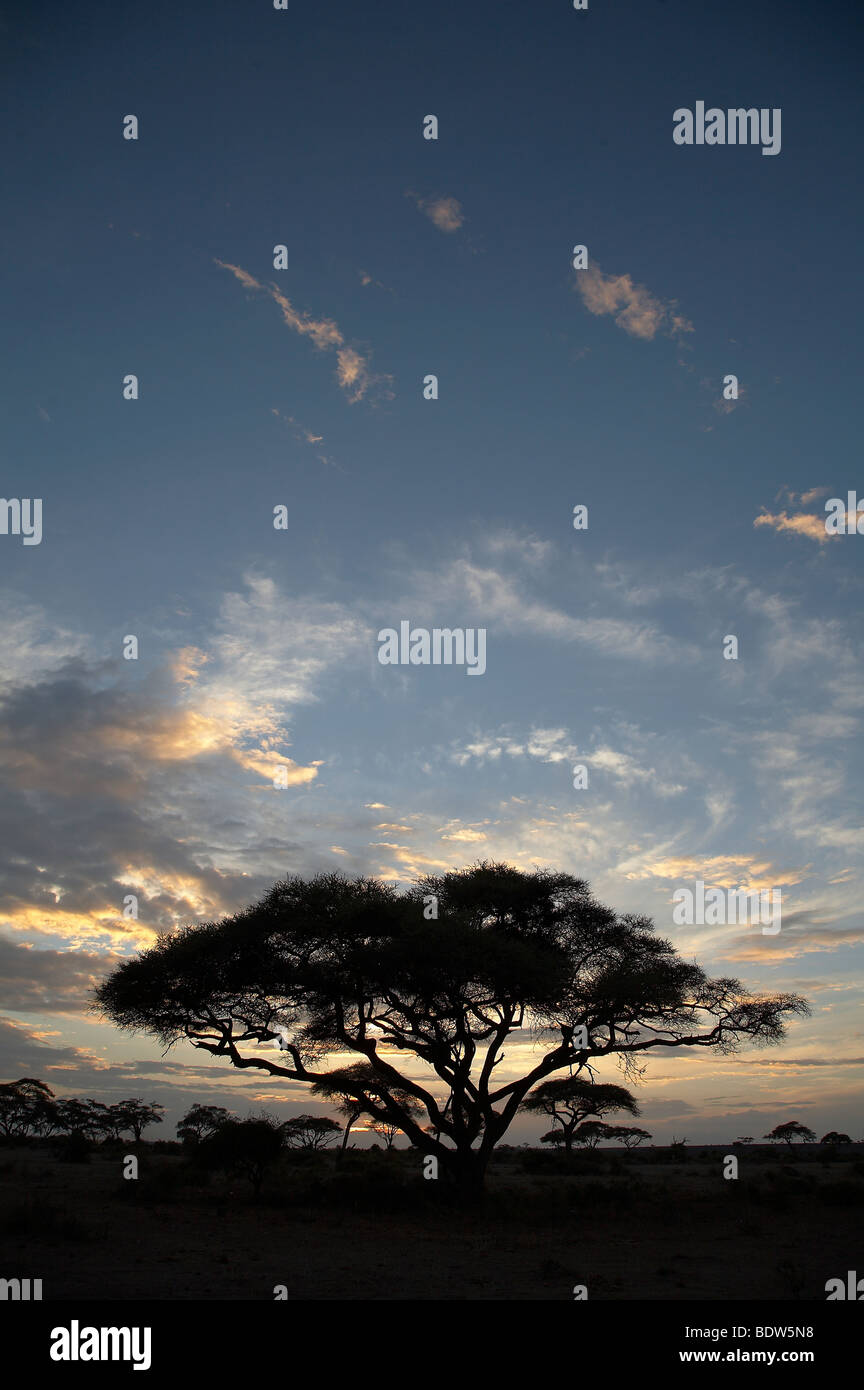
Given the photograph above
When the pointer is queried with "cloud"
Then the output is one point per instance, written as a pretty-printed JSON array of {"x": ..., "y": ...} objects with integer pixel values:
[
  {"x": 246, "y": 280},
  {"x": 639, "y": 312},
  {"x": 113, "y": 775},
  {"x": 32, "y": 644},
  {"x": 353, "y": 370},
  {"x": 725, "y": 407},
  {"x": 720, "y": 870},
  {"x": 445, "y": 213},
  {"x": 496, "y": 599},
  {"x": 39, "y": 981},
  {"x": 308, "y": 437},
  {"x": 272, "y": 650},
  {"x": 367, "y": 279},
  {"x": 803, "y": 524},
  {"x": 783, "y": 1062}
]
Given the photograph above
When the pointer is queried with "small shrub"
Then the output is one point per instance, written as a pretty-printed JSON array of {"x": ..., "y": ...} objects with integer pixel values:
[{"x": 73, "y": 1148}]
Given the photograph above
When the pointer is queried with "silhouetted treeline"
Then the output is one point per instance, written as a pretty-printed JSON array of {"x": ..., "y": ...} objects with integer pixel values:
[{"x": 29, "y": 1108}]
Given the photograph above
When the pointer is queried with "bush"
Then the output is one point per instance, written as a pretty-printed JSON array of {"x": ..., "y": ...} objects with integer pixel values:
[
  {"x": 73, "y": 1148},
  {"x": 243, "y": 1148}
]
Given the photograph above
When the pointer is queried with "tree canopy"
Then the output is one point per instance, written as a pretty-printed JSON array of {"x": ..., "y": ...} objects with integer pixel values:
[
  {"x": 790, "y": 1131},
  {"x": 332, "y": 965},
  {"x": 569, "y": 1100},
  {"x": 310, "y": 1131}
]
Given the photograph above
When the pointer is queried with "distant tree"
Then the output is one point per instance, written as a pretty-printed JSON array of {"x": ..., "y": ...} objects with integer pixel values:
[
  {"x": 744, "y": 1139},
  {"x": 591, "y": 1132},
  {"x": 133, "y": 1116},
  {"x": 243, "y": 1147},
  {"x": 88, "y": 1118},
  {"x": 555, "y": 1137},
  {"x": 310, "y": 1131},
  {"x": 630, "y": 1135},
  {"x": 834, "y": 1137},
  {"x": 331, "y": 966},
  {"x": 789, "y": 1132},
  {"x": 358, "y": 1090},
  {"x": 386, "y": 1130},
  {"x": 26, "y": 1107},
  {"x": 201, "y": 1120},
  {"x": 568, "y": 1101}
]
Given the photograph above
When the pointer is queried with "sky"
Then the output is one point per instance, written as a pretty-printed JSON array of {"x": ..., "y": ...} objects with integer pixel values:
[{"x": 303, "y": 386}]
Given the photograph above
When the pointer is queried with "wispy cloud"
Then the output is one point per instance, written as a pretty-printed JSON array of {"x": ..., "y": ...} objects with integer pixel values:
[
  {"x": 498, "y": 599},
  {"x": 805, "y": 524},
  {"x": 308, "y": 437},
  {"x": 635, "y": 309},
  {"x": 445, "y": 213},
  {"x": 353, "y": 369}
]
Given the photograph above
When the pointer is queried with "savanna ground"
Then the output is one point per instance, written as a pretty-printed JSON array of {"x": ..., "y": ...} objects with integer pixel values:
[{"x": 650, "y": 1224}]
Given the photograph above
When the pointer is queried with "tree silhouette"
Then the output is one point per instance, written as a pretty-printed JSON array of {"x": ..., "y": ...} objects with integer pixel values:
[
  {"x": 332, "y": 965},
  {"x": 569, "y": 1100},
  {"x": 87, "y": 1118},
  {"x": 245, "y": 1147},
  {"x": 26, "y": 1107},
  {"x": 201, "y": 1121},
  {"x": 554, "y": 1137},
  {"x": 133, "y": 1116},
  {"x": 591, "y": 1132},
  {"x": 358, "y": 1090},
  {"x": 789, "y": 1132},
  {"x": 630, "y": 1135},
  {"x": 310, "y": 1131},
  {"x": 386, "y": 1130},
  {"x": 835, "y": 1137}
]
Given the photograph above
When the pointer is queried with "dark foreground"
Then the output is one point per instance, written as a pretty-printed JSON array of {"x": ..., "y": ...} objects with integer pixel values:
[{"x": 644, "y": 1225}]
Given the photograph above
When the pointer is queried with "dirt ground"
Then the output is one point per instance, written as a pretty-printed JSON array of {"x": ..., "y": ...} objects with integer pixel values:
[{"x": 626, "y": 1228}]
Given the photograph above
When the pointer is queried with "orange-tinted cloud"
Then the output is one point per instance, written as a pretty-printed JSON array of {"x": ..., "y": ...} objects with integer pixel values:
[
  {"x": 353, "y": 370},
  {"x": 804, "y": 524},
  {"x": 445, "y": 213},
  {"x": 639, "y": 312}
]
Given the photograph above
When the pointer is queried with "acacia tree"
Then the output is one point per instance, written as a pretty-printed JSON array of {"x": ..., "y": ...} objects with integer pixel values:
[
  {"x": 88, "y": 1118},
  {"x": 245, "y": 1147},
  {"x": 631, "y": 1136},
  {"x": 310, "y": 1131},
  {"x": 26, "y": 1107},
  {"x": 591, "y": 1132},
  {"x": 133, "y": 1116},
  {"x": 201, "y": 1121},
  {"x": 554, "y": 1137},
  {"x": 351, "y": 1088},
  {"x": 789, "y": 1132},
  {"x": 334, "y": 965},
  {"x": 386, "y": 1130},
  {"x": 569, "y": 1100}
]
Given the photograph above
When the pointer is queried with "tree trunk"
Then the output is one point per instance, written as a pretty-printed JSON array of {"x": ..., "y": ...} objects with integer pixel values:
[
  {"x": 467, "y": 1170},
  {"x": 348, "y": 1125}
]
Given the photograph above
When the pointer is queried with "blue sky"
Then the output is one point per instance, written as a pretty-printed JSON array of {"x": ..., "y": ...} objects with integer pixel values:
[{"x": 303, "y": 387}]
